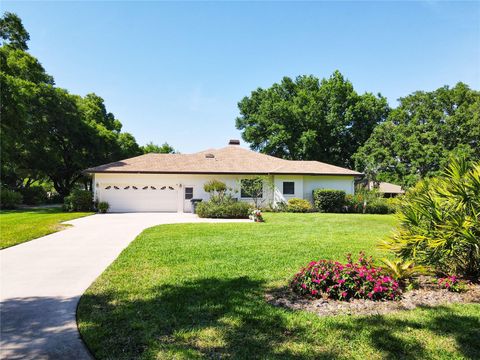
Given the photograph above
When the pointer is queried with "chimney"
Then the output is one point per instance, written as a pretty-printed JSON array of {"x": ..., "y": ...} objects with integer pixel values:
[{"x": 234, "y": 142}]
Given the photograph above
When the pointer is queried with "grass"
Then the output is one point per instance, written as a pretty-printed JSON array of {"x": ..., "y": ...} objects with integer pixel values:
[
  {"x": 192, "y": 291},
  {"x": 19, "y": 226}
]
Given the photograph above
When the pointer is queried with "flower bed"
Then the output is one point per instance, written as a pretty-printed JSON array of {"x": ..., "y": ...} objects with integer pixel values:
[
  {"x": 429, "y": 293},
  {"x": 353, "y": 280}
]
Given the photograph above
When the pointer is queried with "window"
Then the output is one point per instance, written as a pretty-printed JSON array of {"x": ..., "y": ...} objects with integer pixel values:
[
  {"x": 251, "y": 188},
  {"x": 288, "y": 188},
  {"x": 188, "y": 193}
]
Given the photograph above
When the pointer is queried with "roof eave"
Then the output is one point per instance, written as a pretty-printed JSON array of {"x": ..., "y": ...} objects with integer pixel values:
[{"x": 93, "y": 171}]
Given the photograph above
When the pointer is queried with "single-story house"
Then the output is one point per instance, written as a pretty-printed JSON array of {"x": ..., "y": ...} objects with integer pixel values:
[
  {"x": 387, "y": 189},
  {"x": 168, "y": 182}
]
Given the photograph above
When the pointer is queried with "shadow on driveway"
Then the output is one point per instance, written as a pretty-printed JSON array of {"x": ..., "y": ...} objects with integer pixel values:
[{"x": 40, "y": 328}]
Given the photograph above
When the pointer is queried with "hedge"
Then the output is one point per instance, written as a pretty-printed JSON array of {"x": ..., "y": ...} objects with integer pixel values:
[
  {"x": 232, "y": 210},
  {"x": 299, "y": 206},
  {"x": 326, "y": 200}
]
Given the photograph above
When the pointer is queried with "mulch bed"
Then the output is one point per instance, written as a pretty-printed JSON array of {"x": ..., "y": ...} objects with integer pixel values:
[{"x": 428, "y": 294}]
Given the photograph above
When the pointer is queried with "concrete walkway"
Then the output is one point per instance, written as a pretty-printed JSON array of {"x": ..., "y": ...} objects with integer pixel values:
[{"x": 43, "y": 279}]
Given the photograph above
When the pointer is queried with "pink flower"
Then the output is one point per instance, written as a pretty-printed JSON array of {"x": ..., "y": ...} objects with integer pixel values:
[{"x": 344, "y": 294}]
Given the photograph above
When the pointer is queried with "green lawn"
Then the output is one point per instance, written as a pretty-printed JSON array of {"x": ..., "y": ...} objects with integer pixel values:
[
  {"x": 18, "y": 226},
  {"x": 197, "y": 291}
]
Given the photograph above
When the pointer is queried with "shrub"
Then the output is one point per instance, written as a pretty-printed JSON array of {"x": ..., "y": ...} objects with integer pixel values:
[
  {"x": 371, "y": 202},
  {"x": 440, "y": 222},
  {"x": 103, "y": 206},
  {"x": 9, "y": 199},
  {"x": 329, "y": 200},
  {"x": 378, "y": 206},
  {"x": 228, "y": 210},
  {"x": 452, "y": 283},
  {"x": 78, "y": 200},
  {"x": 353, "y": 280},
  {"x": 403, "y": 271},
  {"x": 394, "y": 203},
  {"x": 34, "y": 195},
  {"x": 354, "y": 203},
  {"x": 299, "y": 205}
]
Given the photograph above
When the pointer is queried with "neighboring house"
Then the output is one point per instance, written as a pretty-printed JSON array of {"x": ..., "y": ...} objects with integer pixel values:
[
  {"x": 387, "y": 189},
  {"x": 168, "y": 182}
]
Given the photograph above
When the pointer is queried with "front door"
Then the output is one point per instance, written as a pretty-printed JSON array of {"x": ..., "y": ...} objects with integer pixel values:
[{"x": 187, "y": 196}]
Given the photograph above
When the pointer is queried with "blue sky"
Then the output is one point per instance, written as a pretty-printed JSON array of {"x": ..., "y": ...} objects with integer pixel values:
[{"x": 175, "y": 71}]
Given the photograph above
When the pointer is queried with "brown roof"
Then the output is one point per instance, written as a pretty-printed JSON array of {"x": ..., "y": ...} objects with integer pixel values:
[
  {"x": 228, "y": 160},
  {"x": 388, "y": 188}
]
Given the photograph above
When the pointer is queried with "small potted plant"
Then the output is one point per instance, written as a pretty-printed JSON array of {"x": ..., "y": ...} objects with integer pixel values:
[
  {"x": 103, "y": 207},
  {"x": 256, "y": 215}
]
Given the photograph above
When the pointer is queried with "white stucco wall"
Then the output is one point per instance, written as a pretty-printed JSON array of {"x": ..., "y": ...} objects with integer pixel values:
[
  {"x": 304, "y": 185},
  {"x": 310, "y": 183}
]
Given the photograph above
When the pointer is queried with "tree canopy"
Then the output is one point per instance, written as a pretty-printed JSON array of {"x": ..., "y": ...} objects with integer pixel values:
[
  {"x": 165, "y": 148},
  {"x": 422, "y": 134},
  {"x": 48, "y": 133},
  {"x": 309, "y": 119},
  {"x": 12, "y": 31}
]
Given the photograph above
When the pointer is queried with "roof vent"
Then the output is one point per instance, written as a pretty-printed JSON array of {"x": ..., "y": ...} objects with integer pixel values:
[
  {"x": 209, "y": 156},
  {"x": 234, "y": 142}
]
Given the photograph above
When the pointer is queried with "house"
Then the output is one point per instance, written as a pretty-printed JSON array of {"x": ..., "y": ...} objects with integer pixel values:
[
  {"x": 387, "y": 189},
  {"x": 168, "y": 182}
]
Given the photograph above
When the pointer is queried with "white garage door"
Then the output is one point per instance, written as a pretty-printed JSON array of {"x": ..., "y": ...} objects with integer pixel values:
[{"x": 138, "y": 198}]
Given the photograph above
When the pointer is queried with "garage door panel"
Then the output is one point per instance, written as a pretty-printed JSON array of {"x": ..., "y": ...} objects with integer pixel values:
[{"x": 138, "y": 200}]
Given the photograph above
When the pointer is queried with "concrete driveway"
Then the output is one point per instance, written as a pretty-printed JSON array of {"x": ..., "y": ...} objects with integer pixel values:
[{"x": 43, "y": 279}]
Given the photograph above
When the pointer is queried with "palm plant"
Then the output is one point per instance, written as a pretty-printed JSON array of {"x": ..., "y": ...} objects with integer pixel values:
[
  {"x": 440, "y": 221},
  {"x": 404, "y": 271}
]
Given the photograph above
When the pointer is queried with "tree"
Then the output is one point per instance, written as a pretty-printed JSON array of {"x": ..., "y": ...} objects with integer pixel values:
[
  {"x": 47, "y": 133},
  {"x": 67, "y": 141},
  {"x": 256, "y": 188},
  {"x": 153, "y": 148},
  {"x": 308, "y": 119},
  {"x": 128, "y": 146},
  {"x": 12, "y": 31},
  {"x": 421, "y": 134}
]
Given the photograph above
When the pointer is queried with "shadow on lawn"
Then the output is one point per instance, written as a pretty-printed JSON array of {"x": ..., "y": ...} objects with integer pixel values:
[
  {"x": 228, "y": 318},
  {"x": 465, "y": 330},
  {"x": 248, "y": 328}
]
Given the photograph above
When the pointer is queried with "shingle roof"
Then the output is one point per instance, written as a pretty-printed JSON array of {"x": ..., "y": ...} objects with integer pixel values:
[
  {"x": 232, "y": 159},
  {"x": 388, "y": 188}
]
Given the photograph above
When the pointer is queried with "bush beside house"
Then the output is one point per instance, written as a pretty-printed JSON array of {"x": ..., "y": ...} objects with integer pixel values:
[
  {"x": 228, "y": 210},
  {"x": 298, "y": 206},
  {"x": 103, "y": 207},
  {"x": 222, "y": 204},
  {"x": 326, "y": 200}
]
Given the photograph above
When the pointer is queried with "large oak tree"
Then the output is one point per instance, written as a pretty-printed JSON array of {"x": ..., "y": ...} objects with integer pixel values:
[
  {"x": 421, "y": 134},
  {"x": 47, "y": 133},
  {"x": 309, "y": 119}
]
